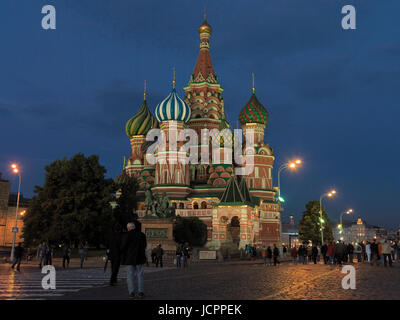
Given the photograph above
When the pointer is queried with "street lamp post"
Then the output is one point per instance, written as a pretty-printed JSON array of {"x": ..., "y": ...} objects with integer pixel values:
[
  {"x": 328, "y": 194},
  {"x": 341, "y": 219},
  {"x": 17, "y": 171},
  {"x": 287, "y": 165}
]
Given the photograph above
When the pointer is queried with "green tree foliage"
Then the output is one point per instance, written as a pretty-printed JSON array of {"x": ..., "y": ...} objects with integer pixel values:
[
  {"x": 126, "y": 187},
  {"x": 309, "y": 225},
  {"x": 73, "y": 206},
  {"x": 191, "y": 230}
]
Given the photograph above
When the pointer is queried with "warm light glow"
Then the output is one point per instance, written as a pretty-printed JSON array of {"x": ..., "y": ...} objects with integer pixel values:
[
  {"x": 298, "y": 161},
  {"x": 333, "y": 191},
  {"x": 292, "y": 165},
  {"x": 14, "y": 168},
  {"x": 23, "y": 212},
  {"x": 329, "y": 194}
]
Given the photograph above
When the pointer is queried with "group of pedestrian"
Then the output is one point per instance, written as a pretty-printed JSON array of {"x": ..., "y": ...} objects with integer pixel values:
[
  {"x": 341, "y": 252},
  {"x": 182, "y": 255},
  {"x": 18, "y": 254},
  {"x": 250, "y": 252},
  {"x": 157, "y": 256},
  {"x": 269, "y": 254},
  {"x": 45, "y": 254}
]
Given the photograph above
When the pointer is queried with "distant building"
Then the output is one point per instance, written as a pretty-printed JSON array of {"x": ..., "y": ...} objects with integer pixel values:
[
  {"x": 8, "y": 203},
  {"x": 290, "y": 233},
  {"x": 357, "y": 231},
  {"x": 393, "y": 235}
]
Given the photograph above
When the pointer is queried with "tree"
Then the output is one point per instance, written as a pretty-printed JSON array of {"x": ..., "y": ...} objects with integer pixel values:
[
  {"x": 191, "y": 230},
  {"x": 126, "y": 200},
  {"x": 309, "y": 225},
  {"x": 73, "y": 206}
]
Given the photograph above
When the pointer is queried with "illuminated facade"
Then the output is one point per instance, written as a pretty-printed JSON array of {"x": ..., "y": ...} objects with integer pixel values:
[
  {"x": 237, "y": 211},
  {"x": 357, "y": 232}
]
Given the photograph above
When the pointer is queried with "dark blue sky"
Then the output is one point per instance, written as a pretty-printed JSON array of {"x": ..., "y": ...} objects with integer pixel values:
[{"x": 332, "y": 95}]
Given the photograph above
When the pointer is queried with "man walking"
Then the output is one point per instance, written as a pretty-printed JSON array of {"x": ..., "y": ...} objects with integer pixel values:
[
  {"x": 387, "y": 253},
  {"x": 18, "y": 253},
  {"x": 133, "y": 255},
  {"x": 159, "y": 255},
  {"x": 276, "y": 255},
  {"x": 114, "y": 253},
  {"x": 324, "y": 251},
  {"x": 331, "y": 253},
  {"x": 368, "y": 251},
  {"x": 314, "y": 253},
  {"x": 185, "y": 255},
  {"x": 42, "y": 252},
  {"x": 340, "y": 250},
  {"x": 293, "y": 253},
  {"x": 82, "y": 253},
  {"x": 264, "y": 255},
  {"x": 374, "y": 253},
  {"x": 66, "y": 255}
]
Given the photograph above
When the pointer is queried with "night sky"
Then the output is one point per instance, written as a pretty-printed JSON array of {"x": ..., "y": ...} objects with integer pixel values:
[{"x": 332, "y": 95}]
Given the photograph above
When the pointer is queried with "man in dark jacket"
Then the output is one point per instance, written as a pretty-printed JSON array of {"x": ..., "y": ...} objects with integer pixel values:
[
  {"x": 324, "y": 251},
  {"x": 340, "y": 250},
  {"x": 114, "y": 253},
  {"x": 276, "y": 255},
  {"x": 159, "y": 256},
  {"x": 314, "y": 253},
  {"x": 350, "y": 252},
  {"x": 133, "y": 255},
  {"x": 374, "y": 253},
  {"x": 18, "y": 253}
]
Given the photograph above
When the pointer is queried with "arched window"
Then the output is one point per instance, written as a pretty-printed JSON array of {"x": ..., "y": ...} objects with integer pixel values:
[
  {"x": 204, "y": 205},
  {"x": 195, "y": 205}
]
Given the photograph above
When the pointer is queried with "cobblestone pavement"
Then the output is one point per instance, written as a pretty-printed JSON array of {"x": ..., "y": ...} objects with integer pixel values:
[{"x": 252, "y": 281}]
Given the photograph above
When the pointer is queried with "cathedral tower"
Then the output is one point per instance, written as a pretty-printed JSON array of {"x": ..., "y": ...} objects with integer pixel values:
[
  {"x": 253, "y": 119},
  {"x": 172, "y": 170},
  {"x": 136, "y": 129}
]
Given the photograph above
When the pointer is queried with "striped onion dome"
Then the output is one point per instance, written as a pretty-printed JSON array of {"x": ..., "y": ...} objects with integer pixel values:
[
  {"x": 253, "y": 112},
  {"x": 141, "y": 122},
  {"x": 173, "y": 108}
]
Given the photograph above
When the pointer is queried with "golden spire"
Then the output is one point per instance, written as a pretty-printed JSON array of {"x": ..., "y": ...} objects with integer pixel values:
[
  {"x": 253, "y": 88},
  {"x": 173, "y": 81},
  {"x": 144, "y": 93},
  {"x": 205, "y": 27}
]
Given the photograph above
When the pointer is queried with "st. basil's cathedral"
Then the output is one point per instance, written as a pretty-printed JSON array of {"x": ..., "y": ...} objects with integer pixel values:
[{"x": 237, "y": 210}]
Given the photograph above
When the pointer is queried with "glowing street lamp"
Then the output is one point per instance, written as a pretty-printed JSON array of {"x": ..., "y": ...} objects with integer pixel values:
[
  {"x": 329, "y": 194},
  {"x": 340, "y": 226},
  {"x": 288, "y": 165},
  {"x": 16, "y": 170}
]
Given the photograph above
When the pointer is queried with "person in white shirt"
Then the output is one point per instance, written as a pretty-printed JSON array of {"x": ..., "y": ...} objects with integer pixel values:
[{"x": 368, "y": 251}]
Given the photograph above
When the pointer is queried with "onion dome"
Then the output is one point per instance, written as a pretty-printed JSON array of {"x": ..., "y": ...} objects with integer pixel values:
[
  {"x": 173, "y": 108},
  {"x": 205, "y": 27},
  {"x": 141, "y": 122},
  {"x": 253, "y": 112}
]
